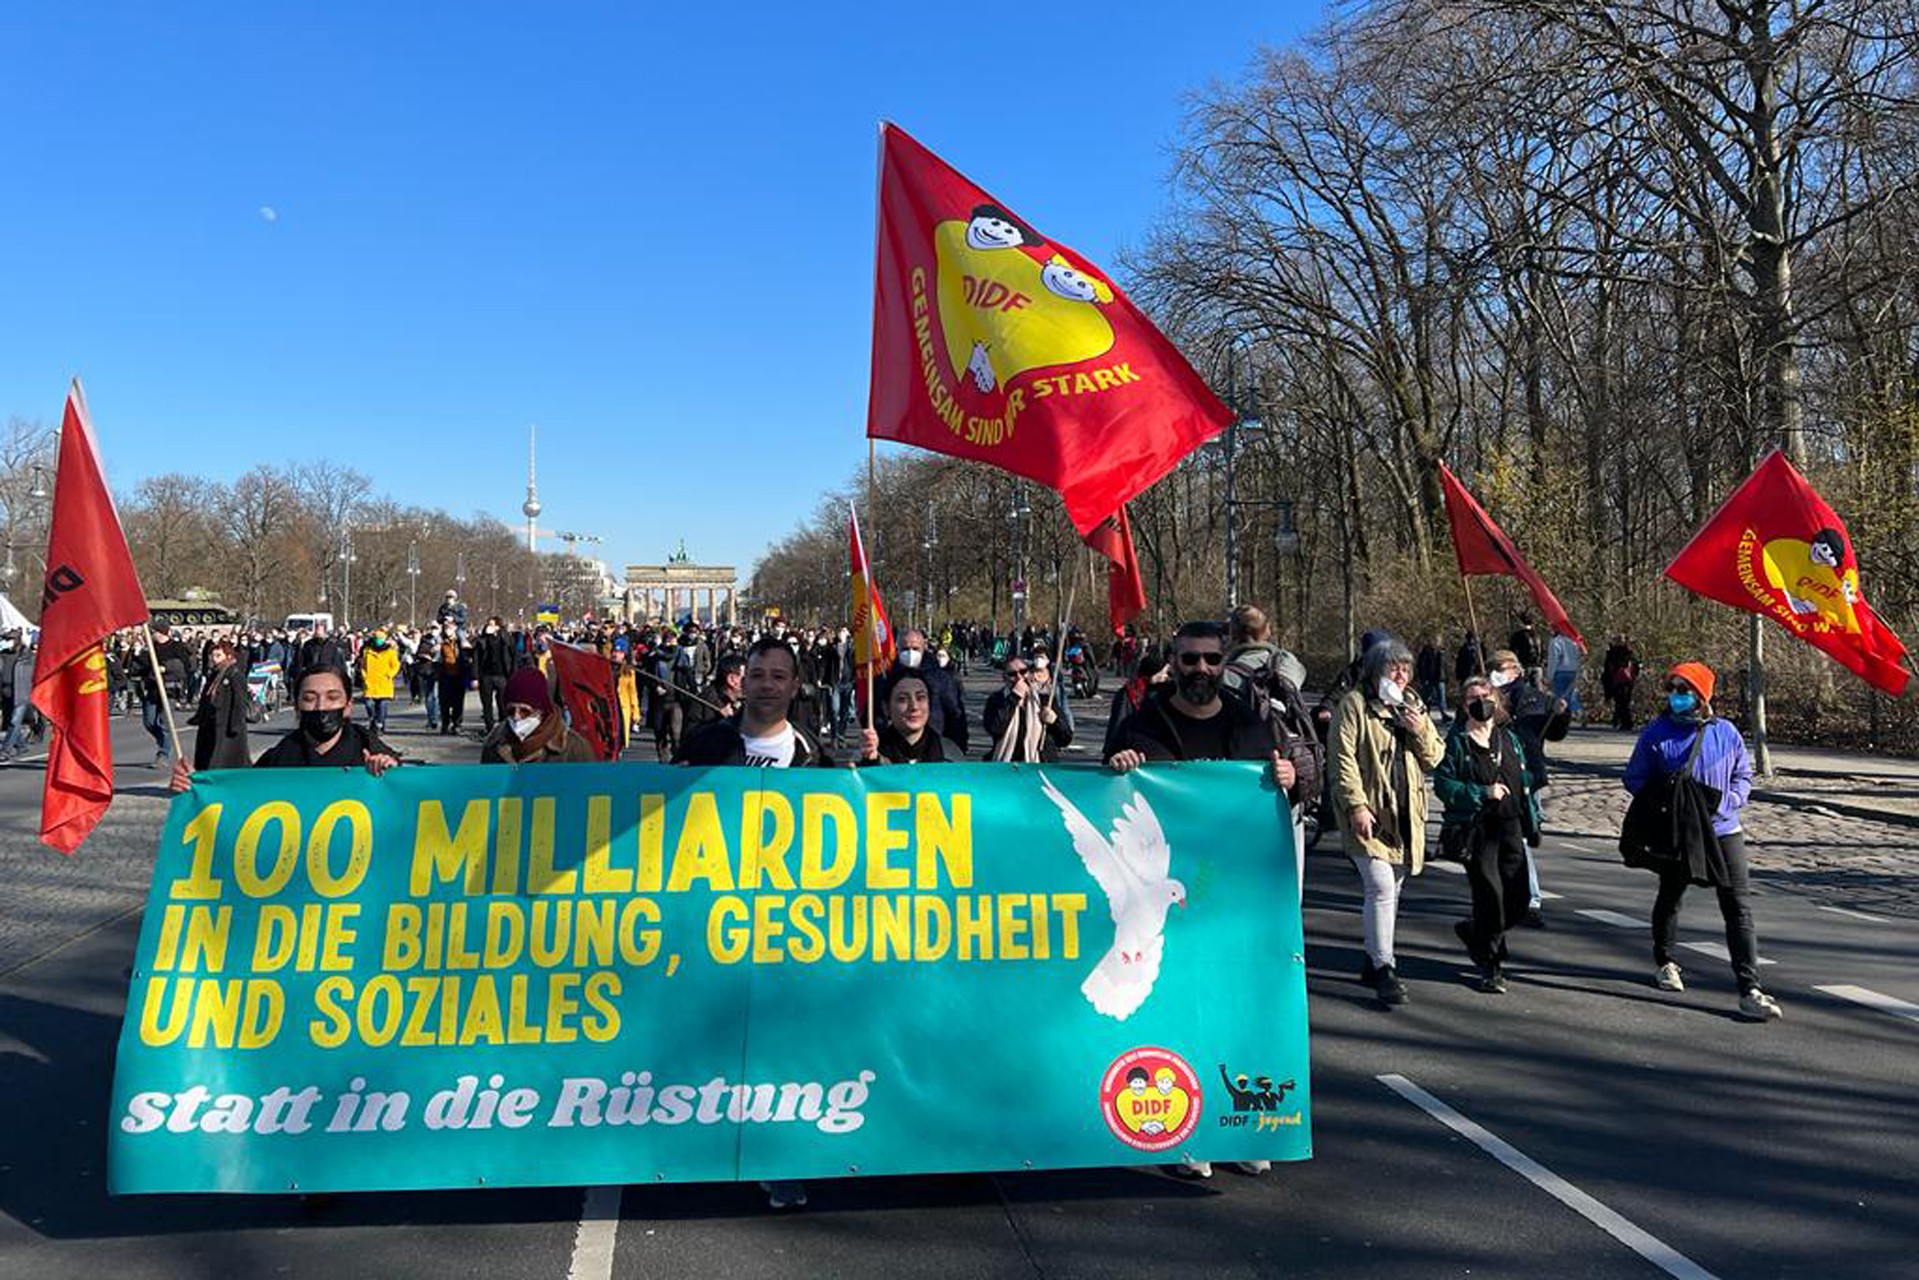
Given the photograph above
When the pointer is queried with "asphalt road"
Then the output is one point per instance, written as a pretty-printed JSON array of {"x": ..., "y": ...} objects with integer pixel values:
[{"x": 1643, "y": 1133}]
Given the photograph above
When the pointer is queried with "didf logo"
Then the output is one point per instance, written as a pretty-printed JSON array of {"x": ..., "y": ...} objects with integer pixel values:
[{"x": 1150, "y": 1098}]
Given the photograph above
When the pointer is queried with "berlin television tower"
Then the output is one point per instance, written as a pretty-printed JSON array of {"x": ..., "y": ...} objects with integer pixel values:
[{"x": 531, "y": 507}]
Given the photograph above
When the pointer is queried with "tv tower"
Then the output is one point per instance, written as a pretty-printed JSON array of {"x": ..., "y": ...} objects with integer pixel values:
[{"x": 531, "y": 507}]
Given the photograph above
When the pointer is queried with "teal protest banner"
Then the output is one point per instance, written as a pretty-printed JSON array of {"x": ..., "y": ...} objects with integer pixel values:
[{"x": 624, "y": 973}]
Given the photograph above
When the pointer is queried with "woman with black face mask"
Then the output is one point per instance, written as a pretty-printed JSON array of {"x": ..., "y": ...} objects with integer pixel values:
[{"x": 1492, "y": 808}]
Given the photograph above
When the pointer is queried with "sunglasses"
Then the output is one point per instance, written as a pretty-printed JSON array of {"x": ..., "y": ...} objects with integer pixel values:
[
  {"x": 1014, "y": 674},
  {"x": 1195, "y": 659}
]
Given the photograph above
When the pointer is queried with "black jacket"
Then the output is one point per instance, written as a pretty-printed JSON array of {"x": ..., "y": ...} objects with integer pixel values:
[
  {"x": 948, "y": 713},
  {"x": 350, "y": 752},
  {"x": 221, "y": 721},
  {"x": 491, "y": 657},
  {"x": 1150, "y": 732},
  {"x": 720, "y": 743},
  {"x": 931, "y": 749}
]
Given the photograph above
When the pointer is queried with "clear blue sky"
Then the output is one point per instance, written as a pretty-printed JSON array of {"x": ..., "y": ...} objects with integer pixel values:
[{"x": 394, "y": 234}]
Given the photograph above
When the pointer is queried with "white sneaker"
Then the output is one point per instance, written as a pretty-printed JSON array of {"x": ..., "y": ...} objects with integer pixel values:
[
  {"x": 1191, "y": 1169},
  {"x": 1668, "y": 979},
  {"x": 1251, "y": 1168},
  {"x": 1757, "y": 1006}
]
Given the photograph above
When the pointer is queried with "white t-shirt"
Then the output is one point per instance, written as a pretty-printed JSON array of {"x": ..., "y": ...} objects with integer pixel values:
[{"x": 774, "y": 751}]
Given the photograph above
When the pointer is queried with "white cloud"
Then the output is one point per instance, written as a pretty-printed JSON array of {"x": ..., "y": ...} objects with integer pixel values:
[{"x": 269, "y": 214}]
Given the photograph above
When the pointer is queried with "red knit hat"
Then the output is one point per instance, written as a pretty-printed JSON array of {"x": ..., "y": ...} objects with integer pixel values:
[
  {"x": 528, "y": 686},
  {"x": 1696, "y": 674}
]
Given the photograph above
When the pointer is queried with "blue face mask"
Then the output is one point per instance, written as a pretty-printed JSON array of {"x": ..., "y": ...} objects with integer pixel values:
[{"x": 1682, "y": 703}]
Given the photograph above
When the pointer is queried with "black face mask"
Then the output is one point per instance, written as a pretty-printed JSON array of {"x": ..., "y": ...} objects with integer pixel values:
[
  {"x": 1199, "y": 685},
  {"x": 321, "y": 723},
  {"x": 1480, "y": 709}
]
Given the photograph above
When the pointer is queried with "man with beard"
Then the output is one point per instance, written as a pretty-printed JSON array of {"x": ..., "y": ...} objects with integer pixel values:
[{"x": 1194, "y": 722}]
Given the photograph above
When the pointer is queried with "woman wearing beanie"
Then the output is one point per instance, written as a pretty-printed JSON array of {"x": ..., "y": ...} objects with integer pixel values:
[
  {"x": 1686, "y": 735},
  {"x": 533, "y": 731}
]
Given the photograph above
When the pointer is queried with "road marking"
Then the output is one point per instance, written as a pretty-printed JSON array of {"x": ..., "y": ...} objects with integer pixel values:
[
  {"x": 1717, "y": 950},
  {"x": 1547, "y": 895},
  {"x": 1614, "y": 918},
  {"x": 1856, "y": 915},
  {"x": 593, "y": 1242},
  {"x": 1640, "y": 1241},
  {"x": 1874, "y": 1000},
  {"x": 1454, "y": 867}
]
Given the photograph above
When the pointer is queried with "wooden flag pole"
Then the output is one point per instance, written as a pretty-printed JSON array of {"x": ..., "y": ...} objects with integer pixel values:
[
  {"x": 1472, "y": 618},
  {"x": 160, "y": 683}
]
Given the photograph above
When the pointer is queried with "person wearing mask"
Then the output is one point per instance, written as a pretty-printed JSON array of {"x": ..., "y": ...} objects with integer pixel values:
[
  {"x": 949, "y": 713},
  {"x": 326, "y": 736},
  {"x": 452, "y": 612},
  {"x": 1688, "y": 737},
  {"x": 1025, "y": 728},
  {"x": 493, "y": 662},
  {"x": 1189, "y": 719},
  {"x": 906, "y": 737},
  {"x": 379, "y": 672},
  {"x": 531, "y": 730},
  {"x": 1382, "y": 746},
  {"x": 220, "y": 716},
  {"x": 1530, "y": 714},
  {"x": 1489, "y": 797}
]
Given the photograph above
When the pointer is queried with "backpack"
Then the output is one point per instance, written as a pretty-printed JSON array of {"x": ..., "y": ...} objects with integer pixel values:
[{"x": 1275, "y": 699}]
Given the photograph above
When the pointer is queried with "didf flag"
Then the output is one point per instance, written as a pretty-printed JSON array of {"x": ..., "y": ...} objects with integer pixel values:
[
  {"x": 1482, "y": 547},
  {"x": 587, "y": 692},
  {"x": 91, "y": 591},
  {"x": 1777, "y": 549},
  {"x": 873, "y": 645},
  {"x": 993, "y": 343},
  {"x": 1125, "y": 590}
]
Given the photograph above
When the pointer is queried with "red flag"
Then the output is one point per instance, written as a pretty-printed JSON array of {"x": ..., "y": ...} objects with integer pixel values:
[
  {"x": 586, "y": 691},
  {"x": 1482, "y": 547},
  {"x": 1125, "y": 591},
  {"x": 992, "y": 343},
  {"x": 873, "y": 643},
  {"x": 1775, "y": 548},
  {"x": 91, "y": 591}
]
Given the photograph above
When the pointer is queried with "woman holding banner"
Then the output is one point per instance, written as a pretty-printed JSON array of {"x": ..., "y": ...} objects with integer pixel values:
[{"x": 907, "y": 737}]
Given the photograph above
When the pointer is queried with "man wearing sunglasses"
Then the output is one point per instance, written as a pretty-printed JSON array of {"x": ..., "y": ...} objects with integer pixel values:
[{"x": 1194, "y": 722}]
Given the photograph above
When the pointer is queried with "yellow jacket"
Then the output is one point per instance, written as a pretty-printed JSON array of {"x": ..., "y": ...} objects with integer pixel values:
[
  {"x": 1362, "y": 744},
  {"x": 378, "y": 668}
]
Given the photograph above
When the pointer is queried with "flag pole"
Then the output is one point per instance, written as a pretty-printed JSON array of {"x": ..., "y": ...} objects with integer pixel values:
[
  {"x": 872, "y": 621},
  {"x": 160, "y": 683},
  {"x": 1472, "y": 617}
]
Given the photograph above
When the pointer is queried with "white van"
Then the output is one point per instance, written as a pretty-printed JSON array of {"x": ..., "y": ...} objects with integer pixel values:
[{"x": 305, "y": 621}]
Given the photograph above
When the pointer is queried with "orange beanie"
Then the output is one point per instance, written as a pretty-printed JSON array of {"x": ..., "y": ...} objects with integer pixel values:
[{"x": 1696, "y": 674}]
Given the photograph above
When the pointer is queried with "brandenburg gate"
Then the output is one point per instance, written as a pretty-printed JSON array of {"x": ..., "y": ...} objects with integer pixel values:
[{"x": 665, "y": 591}]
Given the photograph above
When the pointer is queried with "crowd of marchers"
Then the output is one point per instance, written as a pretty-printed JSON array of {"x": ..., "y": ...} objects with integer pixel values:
[{"x": 1368, "y": 758}]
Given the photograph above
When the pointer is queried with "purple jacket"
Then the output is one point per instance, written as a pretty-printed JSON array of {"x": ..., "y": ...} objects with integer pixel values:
[{"x": 1723, "y": 763}]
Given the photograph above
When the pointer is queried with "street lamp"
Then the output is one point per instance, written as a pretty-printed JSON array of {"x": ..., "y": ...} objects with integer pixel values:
[
  {"x": 39, "y": 491},
  {"x": 347, "y": 556},
  {"x": 413, "y": 583},
  {"x": 1021, "y": 512},
  {"x": 492, "y": 590}
]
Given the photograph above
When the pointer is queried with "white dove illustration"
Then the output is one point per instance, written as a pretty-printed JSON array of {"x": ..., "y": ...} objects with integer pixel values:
[{"x": 1131, "y": 868}]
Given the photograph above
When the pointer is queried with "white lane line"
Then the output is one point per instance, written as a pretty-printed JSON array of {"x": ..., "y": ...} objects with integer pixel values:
[
  {"x": 593, "y": 1242},
  {"x": 1613, "y": 918},
  {"x": 1874, "y": 1000},
  {"x": 1547, "y": 895},
  {"x": 1717, "y": 950},
  {"x": 1440, "y": 865},
  {"x": 1856, "y": 915},
  {"x": 1640, "y": 1241}
]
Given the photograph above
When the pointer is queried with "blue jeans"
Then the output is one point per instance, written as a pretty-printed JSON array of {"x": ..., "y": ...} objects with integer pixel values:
[
  {"x": 1563, "y": 687},
  {"x": 376, "y": 713},
  {"x": 16, "y": 739},
  {"x": 430, "y": 695},
  {"x": 155, "y": 721}
]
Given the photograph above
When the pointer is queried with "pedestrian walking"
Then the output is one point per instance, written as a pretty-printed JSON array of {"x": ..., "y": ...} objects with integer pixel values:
[
  {"x": 1686, "y": 736},
  {"x": 379, "y": 672},
  {"x": 1618, "y": 676},
  {"x": 1382, "y": 746},
  {"x": 1491, "y": 809},
  {"x": 220, "y": 716},
  {"x": 531, "y": 730}
]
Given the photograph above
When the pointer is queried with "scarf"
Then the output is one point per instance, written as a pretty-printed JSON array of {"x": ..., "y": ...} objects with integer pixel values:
[
  {"x": 1024, "y": 732},
  {"x": 551, "y": 733},
  {"x": 895, "y": 749}
]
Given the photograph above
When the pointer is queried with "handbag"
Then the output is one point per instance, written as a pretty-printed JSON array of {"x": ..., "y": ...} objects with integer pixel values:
[
  {"x": 1456, "y": 841},
  {"x": 1668, "y": 826}
]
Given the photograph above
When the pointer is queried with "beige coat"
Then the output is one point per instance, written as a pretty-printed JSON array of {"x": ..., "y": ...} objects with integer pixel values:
[{"x": 1362, "y": 745}]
